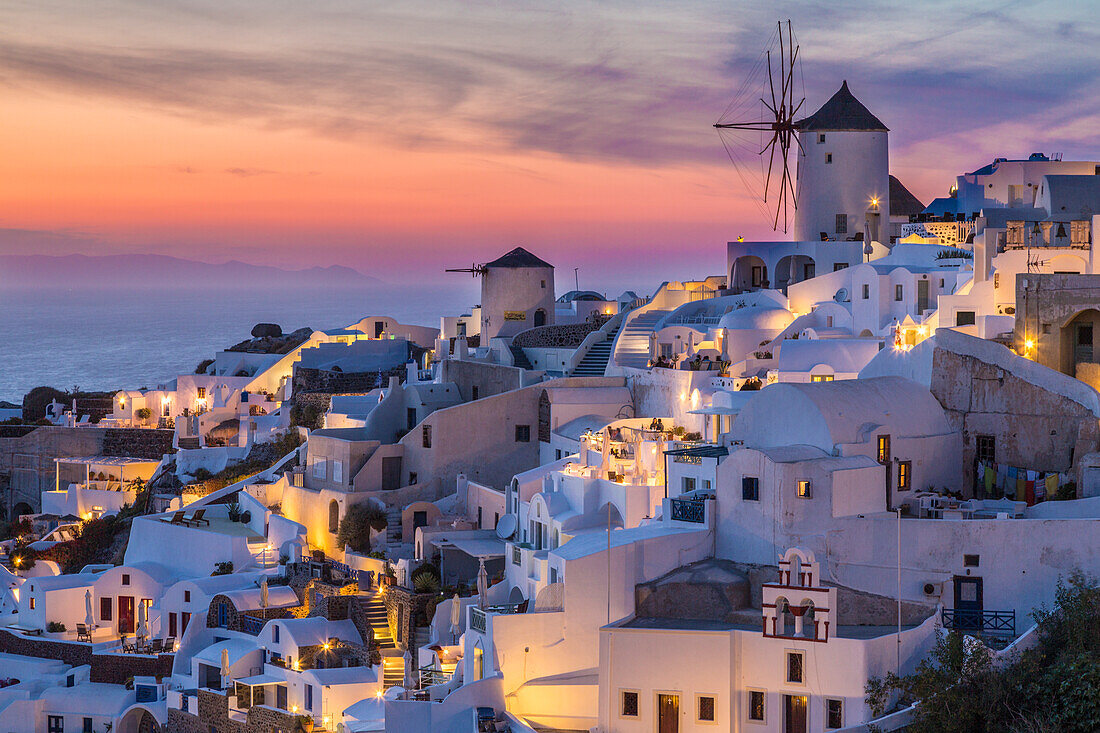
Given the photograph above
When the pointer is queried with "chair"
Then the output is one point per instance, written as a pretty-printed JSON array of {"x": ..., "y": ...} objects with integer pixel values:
[
  {"x": 197, "y": 518},
  {"x": 170, "y": 644},
  {"x": 177, "y": 518},
  {"x": 157, "y": 646},
  {"x": 82, "y": 633}
]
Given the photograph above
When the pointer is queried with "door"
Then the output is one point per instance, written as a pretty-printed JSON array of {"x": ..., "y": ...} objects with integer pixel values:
[
  {"x": 172, "y": 628},
  {"x": 391, "y": 473},
  {"x": 125, "y": 614},
  {"x": 540, "y": 317},
  {"x": 808, "y": 271},
  {"x": 968, "y": 603},
  {"x": 184, "y": 618},
  {"x": 420, "y": 519},
  {"x": 1083, "y": 345},
  {"x": 668, "y": 713},
  {"x": 922, "y": 296},
  {"x": 794, "y": 713}
]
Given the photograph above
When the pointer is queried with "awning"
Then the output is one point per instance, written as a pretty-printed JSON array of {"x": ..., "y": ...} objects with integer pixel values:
[
  {"x": 715, "y": 411},
  {"x": 479, "y": 548},
  {"x": 259, "y": 679}
]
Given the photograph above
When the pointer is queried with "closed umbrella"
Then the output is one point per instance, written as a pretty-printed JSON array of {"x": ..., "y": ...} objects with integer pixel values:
[
  {"x": 456, "y": 618},
  {"x": 263, "y": 593},
  {"x": 605, "y": 451},
  {"x": 142, "y": 625},
  {"x": 411, "y": 681},
  {"x": 89, "y": 619},
  {"x": 482, "y": 584},
  {"x": 225, "y": 665}
]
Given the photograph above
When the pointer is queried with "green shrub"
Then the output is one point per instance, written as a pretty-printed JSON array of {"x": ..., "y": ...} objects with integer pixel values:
[
  {"x": 55, "y": 626},
  {"x": 426, "y": 583},
  {"x": 223, "y": 568},
  {"x": 144, "y": 413},
  {"x": 355, "y": 527}
]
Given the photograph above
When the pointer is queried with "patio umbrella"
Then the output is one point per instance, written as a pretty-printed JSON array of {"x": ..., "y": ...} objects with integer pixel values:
[
  {"x": 142, "y": 625},
  {"x": 263, "y": 593},
  {"x": 482, "y": 584},
  {"x": 411, "y": 681},
  {"x": 89, "y": 619},
  {"x": 605, "y": 451},
  {"x": 456, "y": 618}
]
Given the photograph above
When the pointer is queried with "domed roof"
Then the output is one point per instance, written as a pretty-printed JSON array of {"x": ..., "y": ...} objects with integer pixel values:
[{"x": 842, "y": 112}]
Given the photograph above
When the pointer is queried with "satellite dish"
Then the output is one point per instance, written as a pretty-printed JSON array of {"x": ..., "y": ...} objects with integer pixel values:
[
  {"x": 841, "y": 295},
  {"x": 506, "y": 527}
]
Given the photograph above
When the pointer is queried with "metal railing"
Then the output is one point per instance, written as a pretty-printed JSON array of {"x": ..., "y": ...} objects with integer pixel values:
[
  {"x": 251, "y": 624},
  {"x": 431, "y": 676},
  {"x": 477, "y": 620},
  {"x": 994, "y": 623},
  {"x": 687, "y": 510}
]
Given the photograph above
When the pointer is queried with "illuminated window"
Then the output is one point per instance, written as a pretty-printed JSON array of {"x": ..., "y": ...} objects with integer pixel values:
[
  {"x": 834, "y": 714},
  {"x": 821, "y": 377},
  {"x": 805, "y": 489},
  {"x": 795, "y": 667},
  {"x": 757, "y": 700},
  {"x": 201, "y": 393},
  {"x": 629, "y": 704},
  {"x": 905, "y": 473},
  {"x": 883, "y": 448}
]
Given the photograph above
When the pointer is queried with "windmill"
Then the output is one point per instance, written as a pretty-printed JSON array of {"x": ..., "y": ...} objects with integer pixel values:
[
  {"x": 473, "y": 269},
  {"x": 758, "y": 127}
]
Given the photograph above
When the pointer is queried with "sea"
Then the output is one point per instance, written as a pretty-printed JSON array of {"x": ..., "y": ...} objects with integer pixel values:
[{"x": 103, "y": 338}]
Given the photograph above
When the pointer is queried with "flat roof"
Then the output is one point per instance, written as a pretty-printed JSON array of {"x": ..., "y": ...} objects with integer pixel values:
[
  {"x": 107, "y": 460},
  {"x": 851, "y": 631}
]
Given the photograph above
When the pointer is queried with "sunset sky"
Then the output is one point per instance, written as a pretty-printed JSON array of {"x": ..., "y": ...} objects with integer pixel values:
[{"x": 404, "y": 137}]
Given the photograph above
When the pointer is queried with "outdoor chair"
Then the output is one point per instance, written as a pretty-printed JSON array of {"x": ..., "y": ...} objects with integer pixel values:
[
  {"x": 170, "y": 644},
  {"x": 177, "y": 518},
  {"x": 197, "y": 518},
  {"x": 157, "y": 646},
  {"x": 82, "y": 633}
]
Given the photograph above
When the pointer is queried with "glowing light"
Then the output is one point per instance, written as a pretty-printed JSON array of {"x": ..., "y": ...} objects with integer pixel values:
[
  {"x": 923, "y": 330},
  {"x": 326, "y": 646},
  {"x": 1029, "y": 344},
  {"x": 874, "y": 201},
  {"x": 378, "y": 694},
  {"x": 293, "y": 708}
]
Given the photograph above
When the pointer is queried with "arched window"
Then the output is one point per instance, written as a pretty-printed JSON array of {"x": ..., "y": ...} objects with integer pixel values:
[{"x": 333, "y": 516}]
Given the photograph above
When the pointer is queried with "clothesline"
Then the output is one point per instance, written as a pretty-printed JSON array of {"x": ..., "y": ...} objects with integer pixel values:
[{"x": 1019, "y": 484}]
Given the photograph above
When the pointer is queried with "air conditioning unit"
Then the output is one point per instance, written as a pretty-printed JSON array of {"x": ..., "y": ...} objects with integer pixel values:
[{"x": 933, "y": 589}]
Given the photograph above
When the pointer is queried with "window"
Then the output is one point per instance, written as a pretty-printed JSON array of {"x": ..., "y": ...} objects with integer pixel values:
[
  {"x": 523, "y": 433},
  {"x": 964, "y": 318},
  {"x": 838, "y": 266},
  {"x": 473, "y": 392},
  {"x": 706, "y": 484},
  {"x": 905, "y": 475},
  {"x": 986, "y": 449},
  {"x": 750, "y": 488},
  {"x": 309, "y": 697},
  {"x": 557, "y": 454},
  {"x": 820, "y": 138},
  {"x": 410, "y": 417},
  {"x": 805, "y": 489},
  {"x": 126, "y": 579},
  {"x": 55, "y": 724},
  {"x": 478, "y": 518},
  {"x": 32, "y": 604},
  {"x": 821, "y": 377},
  {"x": 87, "y": 725},
  {"x": 338, "y": 471},
  {"x": 899, "y": 292},
  {"x": 412, "y": 478},
  {"x": 834, "y": 713},
  {"x": 105, "y": 609},
  {"x": 841, "y": 223},
  {"x": 794, "y": 667},
  {"x": 275, "y": 633},
  {"x": 543, "y": 284},
  {"x": 628, "y": 707},
  {"x": 426, "y": 437},
  {"x": 318, "y": 467},
  {"x": 883, "y": 449},
  {"x": 866, "y": 291},
  {"x": 201, "y": 393},
  {"x": 828, "y": 157},
  {"x": 971, "y": 561},
  {"x": 705, "y": 707},
  {"x": 688, "y": 483},
  {"x": 187, "y": 596},
  {"x": 756, "y": 705}
]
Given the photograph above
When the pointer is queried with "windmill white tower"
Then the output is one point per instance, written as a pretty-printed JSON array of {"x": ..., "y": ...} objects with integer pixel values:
[{"x": 843, "y": 172}]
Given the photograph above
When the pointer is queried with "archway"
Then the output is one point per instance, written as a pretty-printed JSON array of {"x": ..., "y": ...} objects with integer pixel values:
[
  {"x": 138, "y": 720},
  {"x": 20, "y": 509},
  {"x": 1077, "y": 340},
  {"x": 516, "y": 595},
  {"x": 333, "y": 516},
  {"x": 749, "y": 272},
  {"x": 794, "y": 269}
]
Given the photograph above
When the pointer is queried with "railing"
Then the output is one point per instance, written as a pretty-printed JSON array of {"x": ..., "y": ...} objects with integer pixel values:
[
  {"x": 994, "y": 623},
  {"x": 506, "y": 608},
  {"x": 251, "y": 624},
  {"x": 699, "y": 320},
  {"x": 686, "y": 510},
  {"x": 431, "y": 676},
  {"x": 477, "y": 620}
]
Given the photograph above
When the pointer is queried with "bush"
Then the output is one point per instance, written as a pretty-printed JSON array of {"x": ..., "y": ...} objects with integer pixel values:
[
  {"x": 223, "y": 568},
  {"x": 355, "y": 527},
  {"x": 144, "y": 413},
  {"x": 425, "y": 583},
  {"x": 55, "y": 626},
  {"x": 203, "y": 366}
]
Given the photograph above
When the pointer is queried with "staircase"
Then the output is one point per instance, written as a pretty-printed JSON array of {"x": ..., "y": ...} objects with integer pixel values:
[
  {"x": 519, "y": 358},
  {"x": 393, "y": 525},
  {"x": 393, "y": 672},
  {"x": 422, "y": 636},
  {"x": 632, "y": 349},
  {"x": 594, "y": 363},
  {"x": 375, "y": 610}
]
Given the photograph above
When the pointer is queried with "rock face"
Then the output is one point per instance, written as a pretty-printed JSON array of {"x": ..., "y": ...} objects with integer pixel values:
[
  {"x": 710, "y": 590},
  {"x": 269, "y": 330}
]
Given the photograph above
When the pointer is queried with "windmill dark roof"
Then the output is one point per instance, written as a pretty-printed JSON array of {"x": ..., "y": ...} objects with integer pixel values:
[
  {"x": 902, "y": 201},
  {"x": 518, "y": 257},
  {"x": 842, "y": 112}
]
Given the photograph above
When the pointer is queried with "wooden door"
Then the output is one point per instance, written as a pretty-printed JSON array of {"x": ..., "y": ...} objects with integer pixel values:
[
  {"x": 922, "y": 296},
  {"x": 172, "y": 628},
  {"x": 668, "y": 713},
  {"x": 125, "y": 614},
  {"x": 391, "y": 473},
  {"x": 794, "y": 713},
  {"x": 968, "y": 603}
]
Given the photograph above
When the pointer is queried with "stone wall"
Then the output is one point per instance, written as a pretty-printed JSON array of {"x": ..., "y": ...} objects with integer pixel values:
[
  {"x": 1048, "y": 308},
  {"x": 567, "y": 336},
  {"x": 137, "y": 442},
  {"x": 213, "y": 715},
  {"x": 112, "y": 668},
  {"x": 1032, "y": 427},
  {"x": 403, "y": 608},
  {"x": 308, "y": 380}
]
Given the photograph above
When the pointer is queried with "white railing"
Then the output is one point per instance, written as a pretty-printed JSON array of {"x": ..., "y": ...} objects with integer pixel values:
[{"x": 598, "y": 336}]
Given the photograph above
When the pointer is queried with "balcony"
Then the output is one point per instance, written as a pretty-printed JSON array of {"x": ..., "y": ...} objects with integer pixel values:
[
  {"x": 687, "y": 510},
  {"x": 973, "y": 621}
]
